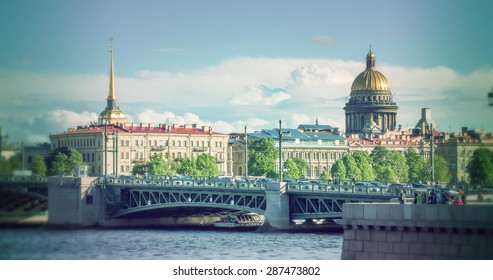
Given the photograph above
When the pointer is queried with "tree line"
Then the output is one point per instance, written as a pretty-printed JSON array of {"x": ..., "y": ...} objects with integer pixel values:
[{"x": 381, "y": 164}]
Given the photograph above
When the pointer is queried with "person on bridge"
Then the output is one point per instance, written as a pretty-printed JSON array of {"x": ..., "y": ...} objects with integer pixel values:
[{"x": 402, "y": 197}]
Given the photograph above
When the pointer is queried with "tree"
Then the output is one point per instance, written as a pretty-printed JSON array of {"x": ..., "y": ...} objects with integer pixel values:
[
  {"x": 157, "y": 165},
  {"x": 418, "y": 168},
  {"x": 291, "y": 170},
  {"x": 206, "y": 165},
  {"x": 399, "y": 166},
  {"x": 380, "y": 157},
  {"x": 441, "y": 168},
  {"x": 338, "y": 170},
  {"x": 185, "y": 166},
  {"x": 302, "y": 166},
  {"x": 364, "y": 163},
  {"x": 352, "y": 170},
  {"x": 64, "y": 161},
  {"x": 39, "y": 165},
  {"x": 325, "y": 175},
  {"x": 480, "y": 167},
  {"x": 262, "y": 155},
  {"x": 11, "y": 164}
]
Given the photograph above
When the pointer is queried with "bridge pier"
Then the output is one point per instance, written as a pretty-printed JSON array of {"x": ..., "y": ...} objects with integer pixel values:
[
  {"x": 277, "y": 211},
  {"x": 74, "y": 202}
]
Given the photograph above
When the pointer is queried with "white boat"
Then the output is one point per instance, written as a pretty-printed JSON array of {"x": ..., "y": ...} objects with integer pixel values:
[{"x": 242, "y": 221}]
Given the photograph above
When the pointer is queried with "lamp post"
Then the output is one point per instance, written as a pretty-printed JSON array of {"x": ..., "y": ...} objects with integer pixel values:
[
  {"x": 280, "y": 151},
  {"x": 431, "y": 154},
  {"x": 246, "y": 154}
]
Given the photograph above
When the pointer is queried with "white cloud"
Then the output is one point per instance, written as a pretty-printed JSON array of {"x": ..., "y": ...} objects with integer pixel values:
[
  {"x": 324, "y": 40},
  {"x": 64, "y": 118},
  {"x": 267, "y": 89},
  {"x": 259, "y": 95}
]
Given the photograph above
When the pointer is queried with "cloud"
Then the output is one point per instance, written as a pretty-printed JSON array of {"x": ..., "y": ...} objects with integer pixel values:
[
  {"x": 324, "y": 40},
  {"x": 252, "y": 91},
  {"x": 259, "y": 95}
]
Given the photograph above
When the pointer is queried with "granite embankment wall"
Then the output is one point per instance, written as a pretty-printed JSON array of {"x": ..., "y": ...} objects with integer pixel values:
[{"x": 408, "y": 231}]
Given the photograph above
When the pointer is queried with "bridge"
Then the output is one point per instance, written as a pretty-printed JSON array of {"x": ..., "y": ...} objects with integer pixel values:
[
  {"x": 124, "y": 198},
  {"x": 128, "y": 197},
  {"x": 23, "y": 193}
]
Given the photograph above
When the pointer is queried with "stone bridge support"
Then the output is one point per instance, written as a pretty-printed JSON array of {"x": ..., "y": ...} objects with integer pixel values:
[
  {"x": 277, "y": 211},
  {"x": 407, "y": 231},
  {"x": 74, "y": 202}
]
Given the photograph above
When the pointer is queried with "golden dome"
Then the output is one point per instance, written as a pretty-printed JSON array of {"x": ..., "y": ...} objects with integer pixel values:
[{"x": 370, "y": 79}]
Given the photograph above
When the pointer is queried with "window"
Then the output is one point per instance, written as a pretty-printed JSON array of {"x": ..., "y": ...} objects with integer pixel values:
[{"x": 89, "y": 199}]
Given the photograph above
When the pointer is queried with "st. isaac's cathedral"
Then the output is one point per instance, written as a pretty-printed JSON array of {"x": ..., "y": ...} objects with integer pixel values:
[{"x": 370, "y": 109}]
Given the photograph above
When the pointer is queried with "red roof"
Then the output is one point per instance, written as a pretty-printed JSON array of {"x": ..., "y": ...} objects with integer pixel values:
[{"x": 140, "y": 129}]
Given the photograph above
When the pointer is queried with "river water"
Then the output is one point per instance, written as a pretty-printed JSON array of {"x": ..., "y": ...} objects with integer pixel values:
[{"x": 166, "y": 244}]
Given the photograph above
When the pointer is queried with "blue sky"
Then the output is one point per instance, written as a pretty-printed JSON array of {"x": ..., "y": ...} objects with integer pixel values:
[{"x": 235, "y": 63}]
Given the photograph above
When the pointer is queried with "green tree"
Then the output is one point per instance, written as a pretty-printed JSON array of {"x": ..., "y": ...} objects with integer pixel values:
[
  {"x": 39, "y": 165},
  {"x": 302, "y": 166},
  {"x": 364, "y": 163},
  {"x": 291, "y": 170},
  {"x": 262, "y": 155},
  {"x": 186, "y": 166},
  {"x": 11, "y": 164},
  {"x": 399, "y": 166},
  {"x": 480, "y": 167},
  {"x": 352, "y": 170},
  {"x": 206, "y": 165},
  {"x": 64, "y": 161},
  {"x": 441, "y": 168},
  {"x": 139, "y": 169},
  {"x": 418, "y": 168},
  {"x": 338, "y": 170},
  {"x": 59, "y": 165},
  {"x": 157, "y": 165},
  {"x": 325, "y": 175},
  {"x": 383, "y": 165}
]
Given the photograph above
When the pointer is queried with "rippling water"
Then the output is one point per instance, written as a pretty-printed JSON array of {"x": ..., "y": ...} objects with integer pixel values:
[{"x": 165, "y": 244}]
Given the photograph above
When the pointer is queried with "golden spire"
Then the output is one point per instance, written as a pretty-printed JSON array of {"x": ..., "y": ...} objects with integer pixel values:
[{"x": 111, "y": 94}]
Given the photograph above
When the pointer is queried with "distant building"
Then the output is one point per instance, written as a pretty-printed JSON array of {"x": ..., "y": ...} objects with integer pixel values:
[
  {"x": 370, "y": 107},
  {"x": 458, "y": 150},
  {"x": 113, "y": 146},
  {"x": 28, "y": 151},
  {"x": 425, "y": 124},
  {"x": 318, "y": 145}
]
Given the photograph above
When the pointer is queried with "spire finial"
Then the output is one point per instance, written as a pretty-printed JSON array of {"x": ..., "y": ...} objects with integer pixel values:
[
  {"x": 370, "y": 60},
  {"x": 111, "y": 94}
]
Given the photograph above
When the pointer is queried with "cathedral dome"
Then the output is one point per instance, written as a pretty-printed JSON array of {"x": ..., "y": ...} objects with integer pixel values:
[{"x": 370, "y": 79}]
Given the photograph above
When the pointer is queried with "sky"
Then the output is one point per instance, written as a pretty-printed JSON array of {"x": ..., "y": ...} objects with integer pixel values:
[{"x": 230, "y": 64}]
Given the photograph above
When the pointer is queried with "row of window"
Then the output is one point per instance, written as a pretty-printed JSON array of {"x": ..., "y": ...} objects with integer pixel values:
[{"x": 172, "y": 143}]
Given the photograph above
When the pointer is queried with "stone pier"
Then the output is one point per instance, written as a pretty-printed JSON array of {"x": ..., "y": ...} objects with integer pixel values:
[
  {"x": 277, "y": 211},
  {"x": 406, "y": 231}
]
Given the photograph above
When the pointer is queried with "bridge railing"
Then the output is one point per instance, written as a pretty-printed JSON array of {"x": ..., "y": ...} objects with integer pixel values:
[
  {"x": 342, "y": 189},
  {"x": 347, "y": 188},
  {"x": 23, "y": 179},
  {"x": 154, "y": 182}
]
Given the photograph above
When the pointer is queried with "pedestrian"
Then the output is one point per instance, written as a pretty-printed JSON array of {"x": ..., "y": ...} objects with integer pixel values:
[
  {"x": 402, "y": 197},
  {"x": 433, "y": 197}
]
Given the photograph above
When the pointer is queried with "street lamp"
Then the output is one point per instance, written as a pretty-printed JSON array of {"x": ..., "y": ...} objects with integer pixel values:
[
  {"x": 246, "y": 154},
  {"x": 281, "y": 134}
]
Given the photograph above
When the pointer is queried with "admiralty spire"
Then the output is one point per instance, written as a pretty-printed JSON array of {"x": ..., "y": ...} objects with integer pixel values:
[
  {"x": 370, "y": 108},
  {"x": 112, "y": 114}
]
